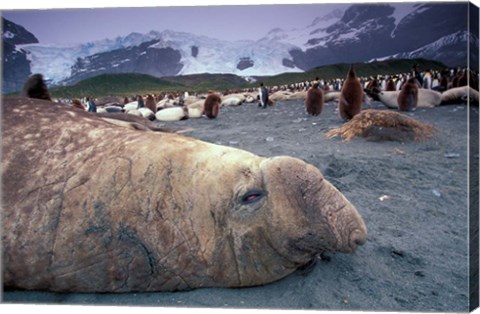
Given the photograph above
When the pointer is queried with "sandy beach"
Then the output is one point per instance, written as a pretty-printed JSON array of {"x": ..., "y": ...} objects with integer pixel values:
[{"x": 412, "y": 197}]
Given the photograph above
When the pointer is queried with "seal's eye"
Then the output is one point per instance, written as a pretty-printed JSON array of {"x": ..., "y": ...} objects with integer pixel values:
[{"x": 252, "y": 197}]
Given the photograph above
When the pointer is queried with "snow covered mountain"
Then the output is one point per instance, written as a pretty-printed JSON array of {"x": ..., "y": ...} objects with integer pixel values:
[
  {"x": 369, "y": 31},
  {"x": 301, "y": 37},
  {"x": 171, "y": 53},
  {"x": 55, "y": 61},
  {"x": 360, "y": 33},
  {"x": 444, "y": 49},
  {"x": 16, "y": 66}
]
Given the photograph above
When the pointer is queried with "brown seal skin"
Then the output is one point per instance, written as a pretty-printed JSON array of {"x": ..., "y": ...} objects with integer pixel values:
[
  {"x": 408, "y": 97},
  {"x": 136, "y": 123},
  {"x": 89, "y": 206},
  {"x": 351, "y": 96},
  {"x": 212, "y": 105},
  {"x": 314, "y": 101}
]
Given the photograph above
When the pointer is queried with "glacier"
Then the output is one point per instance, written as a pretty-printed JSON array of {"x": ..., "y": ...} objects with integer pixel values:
[{"x": 214, "y": 56}]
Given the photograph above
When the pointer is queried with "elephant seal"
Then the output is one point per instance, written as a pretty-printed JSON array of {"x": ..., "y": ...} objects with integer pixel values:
[
  {"x": 131, "y": 106},
  {"x": 147, "y": 113},
  {"x": 199, "y": 104},
  {"x": 137, "y": 122},
  {"x": 351, "y": 96},
  {"x": 134, "y": 112},
  {"x": 113, "y": 109},
  {"x": 172, "y": 114},
  {"x": 280, "y": 95},
  {"x": 89, "y": 206},
  {"x": 298, "y": 95},
  {"x": 330, "y": 96},
  {"x": 407, "y": 99},
  {"x": 232, "y": 101},
  {"x": 194, "y": 113},
  {"x": 165, "y": 103},
  {"x": 314, "y": 101},
  {"x": 427, "y": 98},
  {"x": 460, "y": 94}
]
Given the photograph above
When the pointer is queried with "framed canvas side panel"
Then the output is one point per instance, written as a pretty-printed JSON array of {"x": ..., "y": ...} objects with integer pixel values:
[{"x": 473, "y": 162}]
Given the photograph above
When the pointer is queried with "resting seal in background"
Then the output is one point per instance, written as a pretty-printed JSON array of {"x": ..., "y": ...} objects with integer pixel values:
[
  {"x": 427, "y": 98},
  {"x": 460, "y": 94},
  {"x": 89, "y": 206},
  {"x": 137, "y": 123}
]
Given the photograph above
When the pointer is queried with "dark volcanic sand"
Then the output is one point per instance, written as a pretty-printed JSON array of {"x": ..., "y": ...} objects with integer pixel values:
[{"x": 416, "y": 255}]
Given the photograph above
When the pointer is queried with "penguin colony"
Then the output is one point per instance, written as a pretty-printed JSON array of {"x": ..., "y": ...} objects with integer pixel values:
[{"x": 403, "y": 91}]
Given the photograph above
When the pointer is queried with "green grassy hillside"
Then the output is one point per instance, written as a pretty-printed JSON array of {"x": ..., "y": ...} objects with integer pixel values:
[
  {"x": 128, "y": 84},
  {"x": 132, "y": 84},
  {"x": 115, "y": 84}
]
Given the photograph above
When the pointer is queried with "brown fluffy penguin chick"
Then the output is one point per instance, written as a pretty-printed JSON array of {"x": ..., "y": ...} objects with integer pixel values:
[
  {"x": 212, "y": 105},
  {"x": 391, "y": 86},
  {"x": 150, "y": 103},
  {"x": 408, "y": 97},
  {"x": 314, "y": 101},
  {"x": 77, "y": 104},
  {"x": 351, "y": 96},
  {"x": 35, "y": 87}
]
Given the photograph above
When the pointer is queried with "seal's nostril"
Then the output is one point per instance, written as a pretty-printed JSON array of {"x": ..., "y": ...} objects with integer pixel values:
[
  {"x": 358, "y": 237},
  {"x": 359, "y": 241}
]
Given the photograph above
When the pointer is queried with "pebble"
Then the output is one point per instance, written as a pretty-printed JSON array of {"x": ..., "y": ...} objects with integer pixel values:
[
  {"x": 419, "y": 273},
  {"x": 451, "y": 155},
  {"x": 384, "y": 198},
  {"x": 396, "y": 252}
]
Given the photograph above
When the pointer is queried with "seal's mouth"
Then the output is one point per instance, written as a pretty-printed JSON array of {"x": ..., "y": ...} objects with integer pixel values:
[
  {"x": 307, "y": 267},
  {"x": 310, "y": 245}
]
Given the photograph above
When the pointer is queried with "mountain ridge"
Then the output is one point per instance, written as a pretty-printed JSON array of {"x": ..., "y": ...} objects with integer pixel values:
[{"x": 359, "y": 33}]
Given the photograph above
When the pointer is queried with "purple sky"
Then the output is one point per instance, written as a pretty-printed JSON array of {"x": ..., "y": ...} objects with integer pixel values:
[
  {"x": 230, "y": 22},
  {"x": 223, "y": 22}
]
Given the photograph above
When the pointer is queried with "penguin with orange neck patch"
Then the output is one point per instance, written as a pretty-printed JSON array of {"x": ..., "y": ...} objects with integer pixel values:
[
  {"x": 351, "y": 96},
  {"x": 408, "y": 98}
]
